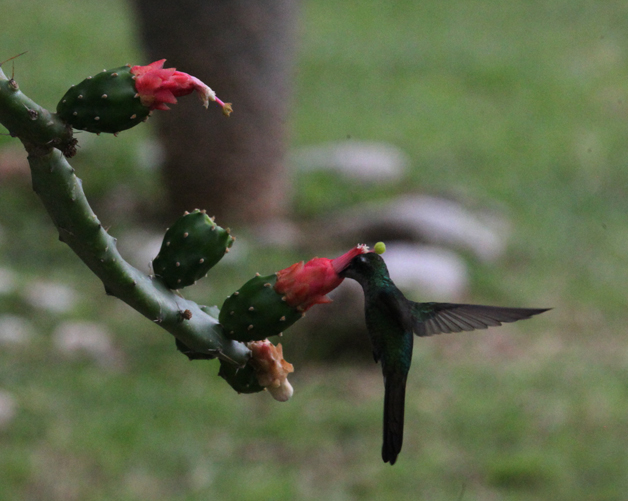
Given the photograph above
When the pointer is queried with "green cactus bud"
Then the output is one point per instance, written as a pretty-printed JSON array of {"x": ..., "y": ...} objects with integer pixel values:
[
  {"x": 257, "y": 311},
  {"x": 191, "y": 247},
  {"x": 107, "y": 102}
]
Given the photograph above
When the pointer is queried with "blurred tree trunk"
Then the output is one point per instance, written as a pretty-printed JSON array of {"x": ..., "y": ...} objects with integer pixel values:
[{"x": 243, "y": 49}]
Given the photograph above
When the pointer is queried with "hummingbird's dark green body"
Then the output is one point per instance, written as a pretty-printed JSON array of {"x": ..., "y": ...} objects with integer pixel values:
[{"x": 391, "y": 319}]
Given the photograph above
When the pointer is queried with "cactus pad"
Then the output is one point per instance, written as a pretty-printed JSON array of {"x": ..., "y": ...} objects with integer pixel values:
[
  {"x": 192, "y": 246},
  {"x": 106, "y": 102},
  {"x": 257, "y": 311},
  {"x": 242, "y": 380}
]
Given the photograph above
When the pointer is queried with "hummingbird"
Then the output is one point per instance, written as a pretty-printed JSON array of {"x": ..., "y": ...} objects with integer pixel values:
[{"x": 391, "y": 319}]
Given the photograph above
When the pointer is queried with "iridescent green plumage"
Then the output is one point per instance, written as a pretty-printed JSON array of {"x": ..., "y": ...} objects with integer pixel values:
[{"x": 391, "y": 319}]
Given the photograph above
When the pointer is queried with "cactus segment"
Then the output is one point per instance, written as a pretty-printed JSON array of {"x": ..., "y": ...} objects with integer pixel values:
[
  {"x": 106, "y": 102},
  {"x": 191, "y": 247},
  {"x": 257, "y": 311},
  {"x": 242, "y": 380}
]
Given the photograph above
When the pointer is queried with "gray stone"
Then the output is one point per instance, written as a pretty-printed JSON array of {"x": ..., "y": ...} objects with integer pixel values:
[
  {"x": 425, "y": 219},
  {"x": 52, "y": 296},
  {"x": 15, "y": 330},
  {"x": 363, "y": 161},
  {"x": 80, "y": 339},
  {"x": 8, "y": 409},
  {"x": 426, "y": 273}
]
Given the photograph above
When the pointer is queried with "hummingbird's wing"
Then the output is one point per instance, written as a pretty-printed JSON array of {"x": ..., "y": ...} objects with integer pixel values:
[{"x": 437, "y": 318}]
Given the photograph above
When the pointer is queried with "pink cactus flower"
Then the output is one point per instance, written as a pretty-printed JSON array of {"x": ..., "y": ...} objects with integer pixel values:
[
  {"x": 305, "y": 284},
  {"x": 158, "y": 86}
]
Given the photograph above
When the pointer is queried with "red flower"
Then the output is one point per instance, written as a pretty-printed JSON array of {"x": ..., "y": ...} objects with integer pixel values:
[
  {"x": 305, "y": 284},
  {"x": 158, "y": 87}
]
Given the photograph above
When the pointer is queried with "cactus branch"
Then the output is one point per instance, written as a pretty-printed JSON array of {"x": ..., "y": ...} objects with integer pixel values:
[{"x": 60, "y": 190}]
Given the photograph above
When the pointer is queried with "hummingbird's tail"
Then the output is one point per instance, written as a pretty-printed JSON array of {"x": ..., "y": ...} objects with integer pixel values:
[{"x": 394, "y": 405}]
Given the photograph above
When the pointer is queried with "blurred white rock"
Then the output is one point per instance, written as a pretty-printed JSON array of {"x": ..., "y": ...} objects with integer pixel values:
[
  {"x": 8, "y": 409},
  {"x": 15, "y": 330},
  {"x": 275, "y": 233},
  {"x": 433, "y": 273},
  {"x": 140, "y": 247},
  {"x": 364, "y": 161},
  {"x": 76, "y": 339},
  {"x": 428, "y": 219},
  {"x": 8, "y": 281},
  {"x": 52, "y": 296}
]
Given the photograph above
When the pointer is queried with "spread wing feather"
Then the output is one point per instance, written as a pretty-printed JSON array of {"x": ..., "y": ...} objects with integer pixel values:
[{"x": 442, "y": 318}]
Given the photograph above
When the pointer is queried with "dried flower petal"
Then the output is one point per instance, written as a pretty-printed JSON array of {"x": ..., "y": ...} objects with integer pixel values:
[{"x": 271, "y": 369}]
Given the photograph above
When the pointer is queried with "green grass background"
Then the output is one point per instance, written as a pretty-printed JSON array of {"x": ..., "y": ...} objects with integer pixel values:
[{"x": 521, "y": 105}]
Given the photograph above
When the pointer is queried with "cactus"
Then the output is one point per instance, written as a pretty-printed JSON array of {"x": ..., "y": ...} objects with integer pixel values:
[
  {"x": 60, "y": 190},
  {"x": 191, "y": 247},
  {"x": 262, "y": 307},
  {"x": 118, "y": 99},
  {"x": 266, "y": 306}
]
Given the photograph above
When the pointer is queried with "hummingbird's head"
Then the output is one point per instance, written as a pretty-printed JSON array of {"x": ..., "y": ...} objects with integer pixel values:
[{"x": 365, "y": 267}]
